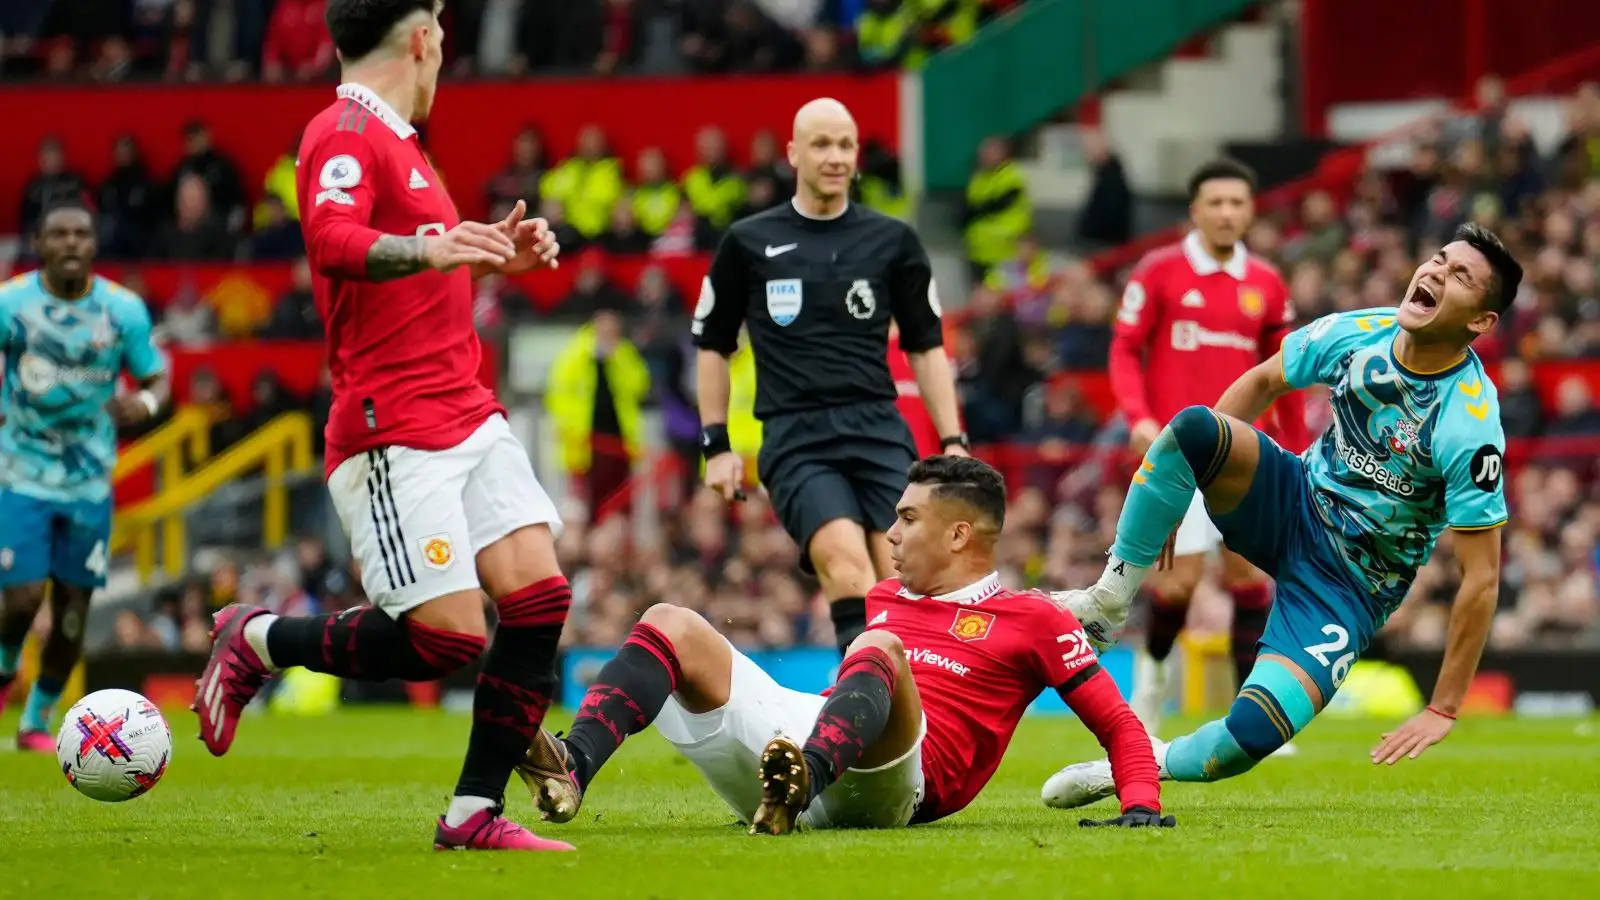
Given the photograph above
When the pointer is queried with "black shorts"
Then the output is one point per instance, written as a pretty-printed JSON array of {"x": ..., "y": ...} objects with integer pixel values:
[{"x": 844, "y": 462}]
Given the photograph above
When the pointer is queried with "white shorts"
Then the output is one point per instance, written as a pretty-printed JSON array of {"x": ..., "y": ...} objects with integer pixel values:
[
  {"x": 417, "y": 518},
  {"x": 1196, "y": 534},
  {"x": 725, "y": 745}
]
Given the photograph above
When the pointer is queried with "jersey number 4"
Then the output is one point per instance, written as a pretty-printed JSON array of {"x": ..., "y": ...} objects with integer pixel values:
[
  {"x": 1320, "y": 652},
  {"x": 96, "y": 563}
]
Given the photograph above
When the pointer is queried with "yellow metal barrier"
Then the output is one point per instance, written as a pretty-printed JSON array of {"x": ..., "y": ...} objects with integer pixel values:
[
  {"x": 189, "y": 430},
  {"x": 280, "y": 448}
]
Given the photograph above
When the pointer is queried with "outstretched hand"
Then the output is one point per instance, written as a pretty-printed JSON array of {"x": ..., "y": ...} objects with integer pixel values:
[{"x": 1419, "y": 732}]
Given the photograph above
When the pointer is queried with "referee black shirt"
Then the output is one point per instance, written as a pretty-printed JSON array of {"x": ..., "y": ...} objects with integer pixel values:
[{"x": 817, "y": 295}]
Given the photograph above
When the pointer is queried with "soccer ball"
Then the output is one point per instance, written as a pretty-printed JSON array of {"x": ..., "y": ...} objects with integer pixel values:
[{"x": 114, "y": 745}]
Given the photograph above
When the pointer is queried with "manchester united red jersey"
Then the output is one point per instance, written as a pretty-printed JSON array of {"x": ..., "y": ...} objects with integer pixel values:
[
  {"x": 403, "y": 353},
  {"x": 979, "y": 656},
  {"x": 1189, "y": 326}
]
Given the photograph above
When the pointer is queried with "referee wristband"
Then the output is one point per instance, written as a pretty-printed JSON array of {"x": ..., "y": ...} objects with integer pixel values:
[
  {"x": 714, "y": 441},
  {"x": 961, "y": 439}
]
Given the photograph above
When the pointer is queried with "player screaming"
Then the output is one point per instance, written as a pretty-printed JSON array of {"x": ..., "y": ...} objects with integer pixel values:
[
  {"x": 66, "y": 335},
  {"x": 1196, "y": 315},
  {"x": 437, "y": 496},
  {"x": 926, "y": 701},
  {"x": 1415, "y": 447}
]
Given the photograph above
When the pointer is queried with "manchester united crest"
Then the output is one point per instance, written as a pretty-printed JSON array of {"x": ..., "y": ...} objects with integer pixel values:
[
  {"x": 437, "y": 554},
  {"x": 971, "y": 625},
  {"x": 1251, "y": 303}
]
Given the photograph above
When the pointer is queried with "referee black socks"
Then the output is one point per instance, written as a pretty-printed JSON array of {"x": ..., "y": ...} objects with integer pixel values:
[{"x": 849, "y": 616}]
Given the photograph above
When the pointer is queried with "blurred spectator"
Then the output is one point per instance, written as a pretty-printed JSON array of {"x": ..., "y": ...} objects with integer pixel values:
[
  {"x": 219, "y": 175},
  {"x": 596, "y": 386},
  {"x": 520, "y": 180},
  {"x": 295, "y": 316},
  {"x": 279, "y": 185},
  {"x": 657, "y": 197},
  {"x": 51, "y": 183},
  {"x": 195, "y": 232},
  {"x": 879, "y": 185},
  {"x": 129, "y": 203},
  {"x": 624, "y": 237},
  {"x": 277, "y": 236},
  {"x": 997, "y": 211},
  {"x": 592, "y": 290},
  {"x": 1107, "y": 217},
  {"x": 714, "y": 189},
  {"x": 587, "y": 185},
  {"x": 767, "y": 161},
  {"x": 889, "y": 35},
  {"x": 188, "y": 320},
  {"x": 1575, "y": 413}
]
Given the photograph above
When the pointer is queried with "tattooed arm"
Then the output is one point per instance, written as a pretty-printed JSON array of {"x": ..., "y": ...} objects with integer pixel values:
[{"x": 394, "y": 256}]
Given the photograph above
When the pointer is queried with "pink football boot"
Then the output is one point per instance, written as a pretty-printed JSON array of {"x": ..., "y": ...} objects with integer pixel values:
[
  {"x": 487, "y": 829},
  {"x": 232, "y": 678}
]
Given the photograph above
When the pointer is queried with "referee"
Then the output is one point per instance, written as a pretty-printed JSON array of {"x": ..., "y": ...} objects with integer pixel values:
[{"x": 817, "y": 282}]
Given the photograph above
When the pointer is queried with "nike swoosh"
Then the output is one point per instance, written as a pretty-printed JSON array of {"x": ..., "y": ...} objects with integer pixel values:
[{"x": 779, "y": 251}]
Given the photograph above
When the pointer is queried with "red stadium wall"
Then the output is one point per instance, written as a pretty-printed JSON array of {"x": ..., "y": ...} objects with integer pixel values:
[
  {"x": 1431, "y": 48},
  {"x": 469, "y": 135}
]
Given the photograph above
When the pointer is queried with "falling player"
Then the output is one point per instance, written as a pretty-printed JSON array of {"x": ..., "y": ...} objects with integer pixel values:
[
  {"x": 1195, "y": 316},
  {"x": 1415, "y": 447},
  {"x": 66, "y": 335},
  {"x": 925, "y": 703},
  {"x": 437, "y": 496}
]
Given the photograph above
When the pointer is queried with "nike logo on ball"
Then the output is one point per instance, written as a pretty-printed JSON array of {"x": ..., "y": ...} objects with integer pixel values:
[{"x": 779, "y": 251}]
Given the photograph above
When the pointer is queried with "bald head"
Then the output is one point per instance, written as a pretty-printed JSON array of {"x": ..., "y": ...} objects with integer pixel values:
[
  {"x": 823, "y": 112},
  {"x": 823, "y": 151}
]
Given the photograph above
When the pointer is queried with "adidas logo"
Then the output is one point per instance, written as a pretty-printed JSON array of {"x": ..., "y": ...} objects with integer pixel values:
[{"x": 417, "y": 181}]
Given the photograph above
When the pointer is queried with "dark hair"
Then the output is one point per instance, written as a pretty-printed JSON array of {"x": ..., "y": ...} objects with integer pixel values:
[
  {"x": 359, "y": 26},
  {"x": 1219, "y": 169},
  {"x": 1507, "y": 272},
  {"x": 63, "y": 202},
  {"x": 970, "y": 481}
]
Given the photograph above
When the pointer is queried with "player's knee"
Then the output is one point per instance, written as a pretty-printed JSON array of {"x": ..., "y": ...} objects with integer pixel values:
[
  {"x": 1259, "y": 723},
  {"x": 682, "y": 626},
  {"x": 880, "y": 639},
  {"x": 1199, "y": 433}
]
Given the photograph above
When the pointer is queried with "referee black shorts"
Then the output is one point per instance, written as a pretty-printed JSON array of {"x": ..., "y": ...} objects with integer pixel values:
[{"x": 843, "y": 462}]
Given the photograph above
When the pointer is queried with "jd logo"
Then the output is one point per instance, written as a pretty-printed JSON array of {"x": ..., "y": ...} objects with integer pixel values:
[{"x": 1486, "y": 466}]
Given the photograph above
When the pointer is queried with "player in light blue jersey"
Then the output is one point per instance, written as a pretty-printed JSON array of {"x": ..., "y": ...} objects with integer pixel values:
[
  {"x": 1415, "y": 448},
  {"x": 67, "y": 336}
]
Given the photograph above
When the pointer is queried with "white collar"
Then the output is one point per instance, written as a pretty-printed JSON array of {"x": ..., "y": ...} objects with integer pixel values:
[
  {"x": 365, "y": 96},
  {"x": 795, "y": 202},
  {"x": 977, "y": 592},
  {"x": 1204, "y": 263}
]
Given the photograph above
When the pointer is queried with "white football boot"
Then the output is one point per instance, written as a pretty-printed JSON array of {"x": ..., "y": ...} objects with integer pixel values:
[{"x": 1081, "y": 784}]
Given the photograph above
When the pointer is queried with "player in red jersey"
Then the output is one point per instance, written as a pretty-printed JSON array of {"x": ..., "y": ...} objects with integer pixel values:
[
  {"x": 1196, "y": 315},
  {"x": 925, "y": 702},
  {"x": 437, "y": 496}
]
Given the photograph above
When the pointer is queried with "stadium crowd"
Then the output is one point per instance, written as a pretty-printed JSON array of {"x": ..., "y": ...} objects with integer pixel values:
[{"x": 284, "y": 40}]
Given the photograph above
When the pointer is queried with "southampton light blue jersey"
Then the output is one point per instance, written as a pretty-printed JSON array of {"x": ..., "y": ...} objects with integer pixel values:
[
  {"x": 62, "y": 360},
  {"x": 1408, "y": 454}
]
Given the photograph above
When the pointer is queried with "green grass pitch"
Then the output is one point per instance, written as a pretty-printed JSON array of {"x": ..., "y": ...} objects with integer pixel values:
[{"x": 342, "y": 807}]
